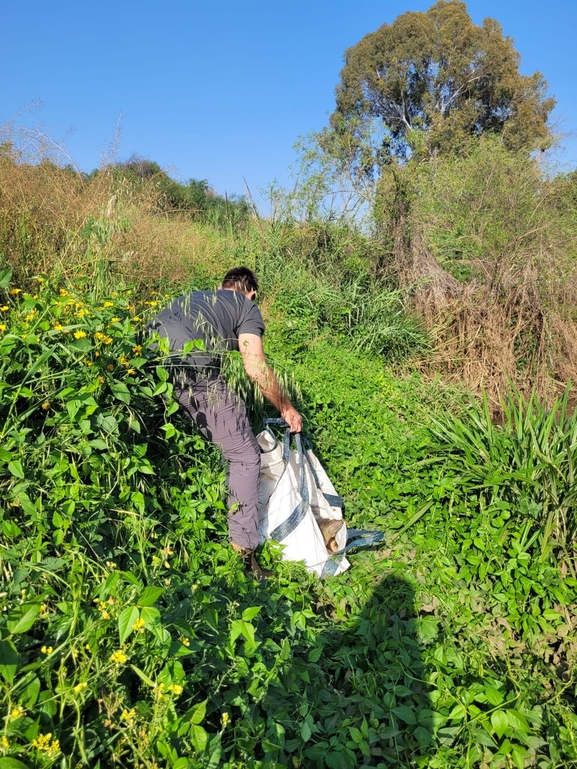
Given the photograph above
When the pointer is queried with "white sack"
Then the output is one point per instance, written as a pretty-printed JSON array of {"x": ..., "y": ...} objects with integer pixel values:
[{"x": 286, "y": 515}]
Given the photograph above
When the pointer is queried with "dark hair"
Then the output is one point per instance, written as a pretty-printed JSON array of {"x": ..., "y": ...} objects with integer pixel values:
[{"x": 240, "y": 279}]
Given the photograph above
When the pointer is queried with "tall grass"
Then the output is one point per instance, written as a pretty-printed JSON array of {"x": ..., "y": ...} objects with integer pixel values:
[{"x": 529, "y": 461}]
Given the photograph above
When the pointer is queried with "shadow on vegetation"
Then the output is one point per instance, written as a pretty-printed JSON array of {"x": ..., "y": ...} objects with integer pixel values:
[{"x": 353, "y": 695}]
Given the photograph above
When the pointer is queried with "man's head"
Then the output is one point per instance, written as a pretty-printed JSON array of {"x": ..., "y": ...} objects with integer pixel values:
[{"x": 240, "y": 279}]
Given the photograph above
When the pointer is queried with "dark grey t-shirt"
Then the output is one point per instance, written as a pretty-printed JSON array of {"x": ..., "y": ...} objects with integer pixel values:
[{"x": 216, "y": 317}]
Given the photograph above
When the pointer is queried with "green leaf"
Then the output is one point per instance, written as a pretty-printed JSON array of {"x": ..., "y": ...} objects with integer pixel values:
[
  {"x": 121, "y": 392},
  {"x": 21, "y": 618},
  {"x": 16, "y": 469},
  {"x": 499, "y": 722},
  {"x": 250, "y": 613},
  {"x": 5, "y": 277},
  {"x": 8, "y": 661},
  {"x": 518, "y": 756},
  {"x": 305, "y": 731},
  {"x": 29, "y": 696},
  {"x": 239, "y": 627},
  {"x": 108, "y": 423},
  {"x": 150, "y": 615},
  {"x": 337, "y": 760},
  {"x": 199, "y": 738},
  {"x": 517, "y": 720},
  {"x": 126, "y": 621},
  {"x": 12, "y": 763},
  {"x": 428, "y": 628},
  {"x": 150, "y": 595},
  {"x": 143, "y": 676},
  {"x": 197, "y": 713},
  {"x": 10, "y": 528},
  {"x": 458, "y": 713},
  {"x": 356, "y": 735},
  {"x": 406, "y": 714}
]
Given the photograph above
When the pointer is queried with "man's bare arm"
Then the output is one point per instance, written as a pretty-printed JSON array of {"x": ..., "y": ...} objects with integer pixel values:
[{"x": 258, "y": 370}]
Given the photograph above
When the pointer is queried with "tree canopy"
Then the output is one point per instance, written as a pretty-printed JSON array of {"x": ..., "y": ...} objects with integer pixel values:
[{"x": 430, "y": 80}]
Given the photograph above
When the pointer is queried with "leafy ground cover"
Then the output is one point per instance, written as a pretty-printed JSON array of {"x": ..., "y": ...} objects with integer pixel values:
[{"x": 129, "y": 636}]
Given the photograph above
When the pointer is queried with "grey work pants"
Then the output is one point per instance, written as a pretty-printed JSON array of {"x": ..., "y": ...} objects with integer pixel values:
[{"x": 221, "y": 417}]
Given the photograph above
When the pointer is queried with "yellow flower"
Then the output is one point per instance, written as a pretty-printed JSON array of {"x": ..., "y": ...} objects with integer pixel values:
[
  {"x": 4, "y": 308},
  {"x": 108, "y": 304},
  {"x": 17, "y": 712},
  {"x": 46, "y": 405},
  {"x": 175, "y": 689},
  {"x": 185, "y": 641},
  {"x": 45, "y": 742},
  {"x": 46, "y": 650},
  {"x": 81, "y": 313},
  {"x": 15, "y": 291},
  {"x": 139, "y": 625},
  {"x": 58, "y": 327},
  {"x": 115, "y": 320},
  {"x": 137, "y": 349},
  {"x": 63, "y": 292},
  {"x": 80, "y": 687},
  {"x": 80, "y": 334},
  {"x": 109, "y": 564},
  {"x": 42, "y": 741},
  {"x": 29, "y": 317},
  {"x": 118, "y": 657},
  {"x": 4, "y": 742},
  {"x": 127, "y": 715},
  {"x": 155, "y": 560},
  {"x": 130, "y": 371},
  {"x": 136, "y": 319},
  {"x": 43, "y": 609},
  {"x": 88, "y": 362},
  {"x": 107, "y": 340},
  {"x": 99, "y": 335},
  {"x": 225, "y": 718},
  {"x": 3, "y": 327}
]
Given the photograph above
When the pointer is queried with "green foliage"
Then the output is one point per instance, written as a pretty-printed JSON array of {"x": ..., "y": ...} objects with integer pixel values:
[
  {"x": 129, "y": 635},
  {"x": 195, "y": 198},
  {"x": 527, "y": 466},
  {"x": 430, "y": 81}
]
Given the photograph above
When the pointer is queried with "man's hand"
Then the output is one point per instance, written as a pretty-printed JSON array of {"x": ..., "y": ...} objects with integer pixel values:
[
  {"x": 258, "y": 370},
  {"x": 293, "y": 419}
]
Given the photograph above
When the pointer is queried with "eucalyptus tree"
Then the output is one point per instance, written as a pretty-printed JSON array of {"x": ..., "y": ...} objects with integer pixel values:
[{"x": 427, "y": 83}]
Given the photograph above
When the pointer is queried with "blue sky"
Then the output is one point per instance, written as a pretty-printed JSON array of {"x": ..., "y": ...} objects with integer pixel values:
[{"x": 221, "y": 91}]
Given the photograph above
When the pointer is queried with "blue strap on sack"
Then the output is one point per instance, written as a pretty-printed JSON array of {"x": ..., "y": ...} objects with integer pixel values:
[
  {"x": 355, "y": 538},
  {"x": 290, "y": 524}
]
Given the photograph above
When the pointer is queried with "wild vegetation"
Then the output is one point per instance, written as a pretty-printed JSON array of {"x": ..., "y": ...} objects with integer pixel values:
[{"x": 129, "y": 635}]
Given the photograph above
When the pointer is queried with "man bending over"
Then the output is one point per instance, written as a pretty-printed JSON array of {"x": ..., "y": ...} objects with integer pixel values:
[{"x": 225, "y": 319}]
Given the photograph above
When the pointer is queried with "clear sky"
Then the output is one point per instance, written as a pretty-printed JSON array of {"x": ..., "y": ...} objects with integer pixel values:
[{"x": 222, "y": 90}]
